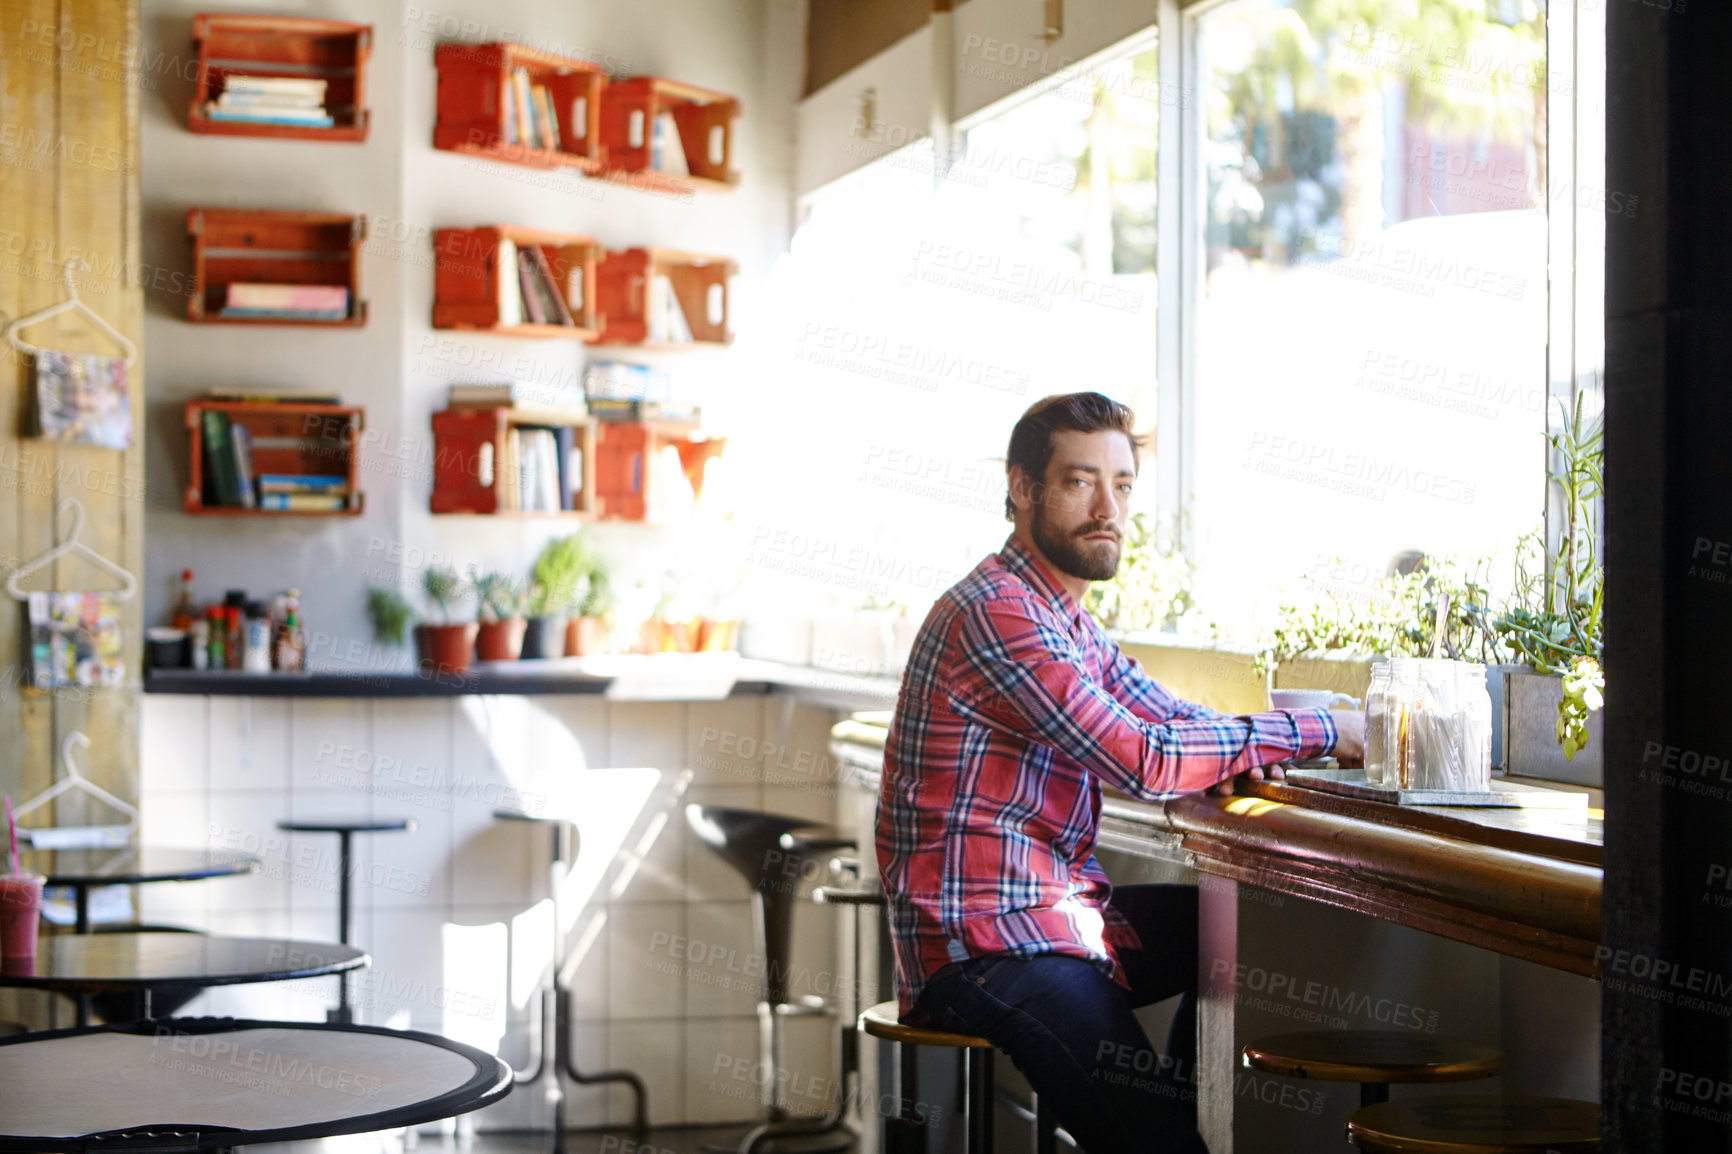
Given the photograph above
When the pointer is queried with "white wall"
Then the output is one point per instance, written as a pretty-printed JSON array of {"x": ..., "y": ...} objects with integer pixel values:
[
  {"x": 454, "y": 913},
  {"x": 397, "y": 366}
]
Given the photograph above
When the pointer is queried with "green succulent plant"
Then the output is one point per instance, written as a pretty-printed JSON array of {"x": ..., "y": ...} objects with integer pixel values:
[
  {"x": 498, "y": 595},
  {"x": 444, "y": 588},
  {"x": 561, "y": 574},
  {"x": 390, "y": 614}
]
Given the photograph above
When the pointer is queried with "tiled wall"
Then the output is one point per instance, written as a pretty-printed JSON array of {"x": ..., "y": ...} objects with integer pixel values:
[{"x": 659, "y": 931}]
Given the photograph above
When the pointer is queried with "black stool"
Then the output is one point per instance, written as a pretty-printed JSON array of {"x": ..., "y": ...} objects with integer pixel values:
[
  {"x": 346, "y": 829},
  {"x": 554, "y": 998},
  {"x": 771, "y": 851}
]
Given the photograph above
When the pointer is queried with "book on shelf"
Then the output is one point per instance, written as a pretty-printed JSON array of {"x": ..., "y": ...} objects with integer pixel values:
[
  {"x": 219, "y": 461},
  {"x": 569, "y": 453},
  {"x": 510, "y": 289},
  {"x": 548, "y": 285},
  {"x": 667, "y": 153},
  {"x": 304, "y": 502},
  {"x": 663, "y": 315},
  {"x": 627, "y": 411},
  {"x": 533, "y": 306},
  {"x": 311, "y": 118},
  {"x": 619, "y": 381},
  {"x": 522, "y": 103},
  {"x": 514, "y": 393},
  {"x": 303, "y": 483},
  {"x": 308, "y": 297},
  {"x": 285, "y": 314},
  {"x": 549, "y": 118},
  {"x": 276, "y": 396},
  {"x": 302, "y": 87},
  {"x": 241, "y": 443}
]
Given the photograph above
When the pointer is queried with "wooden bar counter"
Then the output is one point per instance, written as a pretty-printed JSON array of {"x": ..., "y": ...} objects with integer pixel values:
[{"x": 1521, "y": 882}]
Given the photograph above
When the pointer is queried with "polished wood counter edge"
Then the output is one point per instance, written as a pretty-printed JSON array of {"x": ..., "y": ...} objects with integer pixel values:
[{"x": 620, "y": 677}]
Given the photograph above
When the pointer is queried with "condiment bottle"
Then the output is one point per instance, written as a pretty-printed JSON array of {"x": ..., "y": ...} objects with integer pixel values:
[
  {"x": 200, "y": 642},
  {"x": 257, "y": 656},
  {"x": 217, "y": 630},
  {"x": 234, "y": 641},
  {"x": 186, "y": 609},
  {"x": 291, "y": 649},
  {"x": 1376, "y": 712}
]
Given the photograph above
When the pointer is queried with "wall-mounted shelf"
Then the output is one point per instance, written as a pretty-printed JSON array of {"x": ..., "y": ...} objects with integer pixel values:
[
  {"x": 477, "y": 461},
  {"x": 257, "y": 246},
  {"x": 478, "y": 90},
  {"x": 285, "y": 47},
  {"x": 285, "y": 439},
  {"x": 472, "y": 288},
  {"x": 628, "y": 469},
  {"x": 634, "y": 310},
  {"x": 705, "y": 133}
]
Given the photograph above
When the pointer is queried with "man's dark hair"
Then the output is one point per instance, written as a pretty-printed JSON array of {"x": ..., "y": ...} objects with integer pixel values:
[{"x": 1031, "y": 439}]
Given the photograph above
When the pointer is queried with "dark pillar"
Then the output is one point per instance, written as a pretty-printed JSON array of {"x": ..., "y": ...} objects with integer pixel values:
[{"x": 1666, "y": 1050}]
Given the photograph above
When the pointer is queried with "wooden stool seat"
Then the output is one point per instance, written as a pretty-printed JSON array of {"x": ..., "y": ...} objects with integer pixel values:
[
  {"x": 1368, "y": 1056},
  {"x": 881, "y": 1022},
  {"x": 1477, "y": 1125}
]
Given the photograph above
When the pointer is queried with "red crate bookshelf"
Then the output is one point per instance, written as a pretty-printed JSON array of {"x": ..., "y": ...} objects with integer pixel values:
[
  {"x": 626, "y": 463},
  {"x": 705, "y": 124},
  {"x": 326, "y": 438},
  {"x": 283, "y": 46},
  {"x": 470, "y": 447},
  {"x": 472, "y": 79},
  {"x": 623, "y": 281},
  {"x": 235, "y": 245},
  {"x": 468, "y": 279}
]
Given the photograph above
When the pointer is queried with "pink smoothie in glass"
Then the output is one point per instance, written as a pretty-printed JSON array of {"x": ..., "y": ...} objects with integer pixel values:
[{"x": 20, "y": 911}]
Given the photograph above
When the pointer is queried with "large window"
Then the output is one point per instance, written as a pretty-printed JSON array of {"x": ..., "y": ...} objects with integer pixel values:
[
  {"x": 923, "y": 307},
  {"x": 1370, "y": 357}
]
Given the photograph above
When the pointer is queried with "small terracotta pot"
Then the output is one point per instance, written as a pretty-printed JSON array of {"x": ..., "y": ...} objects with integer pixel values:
[
  {"x": 717, "y": 636},
  {"x": 444, "y": 648},
  {"x": 499, "y": 640},
  {"x": 680, "y": 636},
  {"x": 584, "y": 636},
  {"x": 543, "y": 637}
]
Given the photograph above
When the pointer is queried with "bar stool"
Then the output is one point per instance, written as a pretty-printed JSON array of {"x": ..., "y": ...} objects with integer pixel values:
[
  {"x": 1373, "y": 1058},
  {"x": 554, "y": 999},
  {"x": 881, "y": 1021},
  {"x": 346, "y": 829},
  {"x": 759, "y": 847},
  {"x": 1477, "y": 1124}
]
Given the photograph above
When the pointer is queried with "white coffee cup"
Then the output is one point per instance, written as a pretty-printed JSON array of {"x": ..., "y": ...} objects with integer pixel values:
[{"x": 1309, "y": 699}]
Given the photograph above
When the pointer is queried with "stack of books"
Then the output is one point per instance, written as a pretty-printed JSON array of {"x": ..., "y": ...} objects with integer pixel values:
[
  {"x": 287, "y": 302},
  {"x": 529, "y": 292},
  {"x": 663, "y": 314},
  {"x": 535, "y": 402},
  {"x": 271, "y": 100},
  {"x": 667, "y": 152},
  {"x": 529, "y": 114},
  {"x": 303, "y": 492}
]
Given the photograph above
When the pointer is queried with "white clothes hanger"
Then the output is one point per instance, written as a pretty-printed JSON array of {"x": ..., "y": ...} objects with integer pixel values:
[
  {"x": 77, "y": 836},
  {"x": 129, "y": 585},
  {"x": 70, "y": 304}
]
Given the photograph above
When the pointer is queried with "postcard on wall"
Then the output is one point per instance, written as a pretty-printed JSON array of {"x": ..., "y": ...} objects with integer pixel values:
[
  {"x": 75, "y": 639},
  {"x": 82, "y": 400}
]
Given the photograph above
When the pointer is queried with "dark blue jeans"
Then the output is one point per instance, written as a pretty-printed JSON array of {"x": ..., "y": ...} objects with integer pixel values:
[{"x": 1069, "y": 1028}]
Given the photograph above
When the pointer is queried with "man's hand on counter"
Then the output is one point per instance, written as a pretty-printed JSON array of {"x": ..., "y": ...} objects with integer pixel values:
[{"x": 1350, "y": 744}]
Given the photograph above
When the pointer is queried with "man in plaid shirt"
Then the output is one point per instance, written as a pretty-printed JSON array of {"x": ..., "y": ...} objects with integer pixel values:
[{"x": 1014, "y": 710}]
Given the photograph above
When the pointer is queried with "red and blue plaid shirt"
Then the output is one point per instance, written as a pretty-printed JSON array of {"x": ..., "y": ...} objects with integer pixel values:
[{"x": 1014, "y": 709}]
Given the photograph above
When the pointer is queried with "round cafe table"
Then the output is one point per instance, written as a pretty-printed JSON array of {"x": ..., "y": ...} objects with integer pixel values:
[
  {"x": 192, "y": 1084},
  {"x": 84, "y": 869},
  {"x": 83, "y": 965}
]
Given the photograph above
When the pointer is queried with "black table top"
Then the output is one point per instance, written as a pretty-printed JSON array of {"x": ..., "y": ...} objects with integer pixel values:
[
  {"x": 208, "y": 1083},
  {"x": 97, "y": 963},
  {"x": 348, "y": 825},
  {"x": 133, "y": 865}
]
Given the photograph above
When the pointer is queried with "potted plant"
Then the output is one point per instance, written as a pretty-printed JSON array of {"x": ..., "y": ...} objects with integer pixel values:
[
  {"x": 443, "y": 646},
  {"x": 390, "y": 614},
  {"x": 499, "y": 635},
  {"x": 1553, "y": 622},
  {"x": 587, "y": 630},
  {"x": 556, "y": 582}
]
